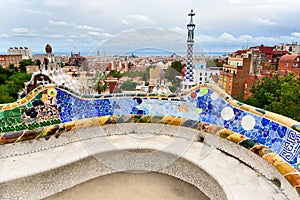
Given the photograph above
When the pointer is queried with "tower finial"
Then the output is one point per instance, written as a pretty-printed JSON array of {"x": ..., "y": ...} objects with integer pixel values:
[{"x": 191, "y": 14}]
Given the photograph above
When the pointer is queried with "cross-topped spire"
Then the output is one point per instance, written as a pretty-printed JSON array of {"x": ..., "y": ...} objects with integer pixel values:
[
  {"x": 191, "y": 15},
  {"x": 188, "y": 79}
]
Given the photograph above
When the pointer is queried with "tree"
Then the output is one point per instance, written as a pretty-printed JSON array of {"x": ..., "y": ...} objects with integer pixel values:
[
  {"x": 132, "y": 74},
  {"x": 146, "y": 74},
  {"x": 24, "y": 63},
  {"x": 278, "y": 94},
  {"x": 4, "y": 95},
  {"x": 263, "y": 90},
  {"x": 3, "y": 78},
  {"x": 129, "y": 86},
  {"x": 171, "y": 74},
  {"x": 12, "y": 67},
  {"x": 16, "y": 82},
  {"x": 115, "y": 74},
  {"x": 6, "y": 71},
  {"x": 177, "y": 65},
  {"x": 99, "y": 82},
  {"x": 287, "y": 100},
  {"x": 213, "y": 63}
]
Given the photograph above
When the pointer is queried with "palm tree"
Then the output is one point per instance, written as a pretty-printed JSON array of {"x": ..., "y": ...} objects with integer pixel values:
[{"x": 99, "y": 82}]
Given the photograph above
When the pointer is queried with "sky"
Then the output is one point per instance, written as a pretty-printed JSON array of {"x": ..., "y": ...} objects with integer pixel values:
[{"x": 86, "y": 25}]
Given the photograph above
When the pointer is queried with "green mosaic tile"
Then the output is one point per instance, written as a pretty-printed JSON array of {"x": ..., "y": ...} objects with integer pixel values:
[
  {"x": 157, "y": 119},
  {"x": 19, "y": 119},
  {"x": 15, "y": 112},
  {"x": 239, "y": 103},
  {"x": 10, "y": 121},
  {"x": 6, "y": 113},
  {"x": 296, "y": 127},
  {"x": 39, "y": 96},
  {"x": 261, "y": 111},
  {"x": 248, "y": 143},
  {"x": 2, "y": 123},
  {"x": 203, "y": 90}
]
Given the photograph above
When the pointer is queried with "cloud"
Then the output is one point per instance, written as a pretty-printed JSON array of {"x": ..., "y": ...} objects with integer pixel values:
[
  {"x": 125, "y": 21},
  {"x": 94, "y": 33},
  {"x": 257, "y": 2},
  {"x": 88, "y": 28},
  {"x": 262, "y": 21},
  {"x": 55, "y": 3},
  {"x": 137, "y": 19},
  {"x": 4, "y": 35},
  {"x": 73, "y": 36},
  {"x": 68, "y": 41},
  {"x": 178, "y": 30},
  {"x": 80, "y": 27},
  {"x": 227, "y": 37},
  {"x": 38, "y": 12},
  {"x": 206, "y": 27},
  {"x": 107, "y": 35},
  {"x": 296, "y": 34},
  {"x": 56, "y": 36},
  {"x": 60, "y": 23},
  {"x": 20, "y": 31}
]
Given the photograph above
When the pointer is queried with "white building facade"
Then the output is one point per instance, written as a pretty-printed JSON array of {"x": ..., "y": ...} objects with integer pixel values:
[
  {"x": 24, "y": 51},
  {"x": 293, "y": 48},
  {"x": 203, "y": 74}
]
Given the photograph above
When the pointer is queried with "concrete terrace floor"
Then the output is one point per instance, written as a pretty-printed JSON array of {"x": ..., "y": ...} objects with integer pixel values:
[{"x": 132, "y": 186}]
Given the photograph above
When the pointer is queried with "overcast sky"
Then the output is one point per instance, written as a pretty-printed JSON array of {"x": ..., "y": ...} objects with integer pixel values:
[{"x": 83, "y": 25}]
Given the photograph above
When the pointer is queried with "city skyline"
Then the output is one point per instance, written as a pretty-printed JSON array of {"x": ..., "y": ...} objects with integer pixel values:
[{"x": 222, "y": 26}]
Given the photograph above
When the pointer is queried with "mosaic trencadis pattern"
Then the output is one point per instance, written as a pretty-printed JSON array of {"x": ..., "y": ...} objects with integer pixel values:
[{"x": 53, "y": 110}]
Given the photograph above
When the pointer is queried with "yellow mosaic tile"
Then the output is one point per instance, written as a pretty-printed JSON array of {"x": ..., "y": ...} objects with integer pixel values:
[
  {"x": 102, "y": 120},
  {"x": 172, "y": 120},
  {"x": 273, "y": 159},
  {"x": 294, "y": 179},
  {"x": 236, "y": 138},
  {"x": 88, "y": 122},
  {"x": 285, "y": 168},
  {"x": 224, "y": 133}
]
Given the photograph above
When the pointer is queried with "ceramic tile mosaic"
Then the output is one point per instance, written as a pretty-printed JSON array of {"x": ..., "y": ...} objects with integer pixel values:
[{"x": 53, "y": 110}]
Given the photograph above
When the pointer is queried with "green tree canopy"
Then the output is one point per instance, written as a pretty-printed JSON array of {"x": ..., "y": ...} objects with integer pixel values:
[
  {"x": 4, "y": 94},
  {"x": 16, "y": 82},
  {"x": 177, "y": 65},
  {"x": 213, "y": 63},
  {"x": 115, "y": 74},
  {"x": 7, "y": 71},
  {"x": 132, "y": 74},
  {"x": 278, "y": 94},
  {"x": 24, "y": 63},
  {"x": 170, "y": 75},
  {"x": 99, "y": 82},
  {"x": 128, "y": 86}
]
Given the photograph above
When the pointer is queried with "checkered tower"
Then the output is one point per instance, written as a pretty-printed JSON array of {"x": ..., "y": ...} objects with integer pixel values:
[{"x": 188, "y": 79}]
